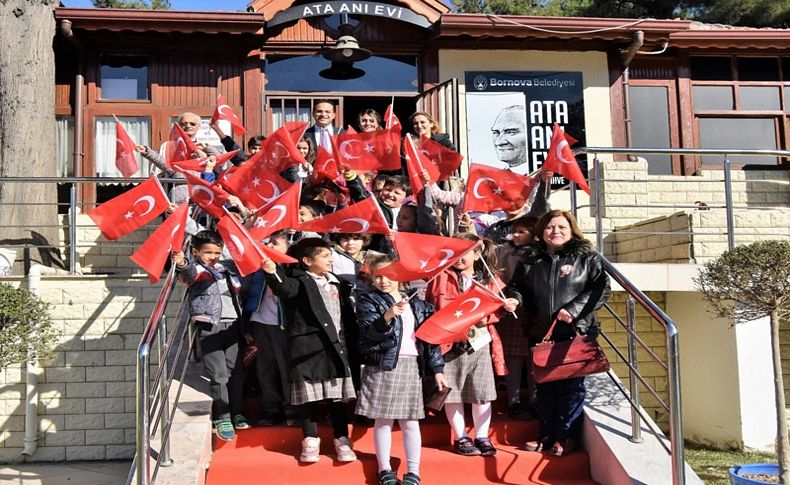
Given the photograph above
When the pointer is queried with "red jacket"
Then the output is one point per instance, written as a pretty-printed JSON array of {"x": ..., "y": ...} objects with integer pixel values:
[{"x": 444, "y": 289}]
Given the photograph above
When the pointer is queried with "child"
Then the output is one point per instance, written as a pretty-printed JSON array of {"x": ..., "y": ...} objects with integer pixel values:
[
  {"x": 214, "y": 309},
  {"x": 321, "y": 331},
  {"x": 308, "y": 211},
  {"x": 511, "y": 329},
  {"x": 301, "y": 172},
  {"x": 266, "y": 317},
  {"x": 347, "y": 255},
  {"x": 394, "y": 363},
  {"x": 396, "y": 189},
  {"x": 470, "y": 372}
]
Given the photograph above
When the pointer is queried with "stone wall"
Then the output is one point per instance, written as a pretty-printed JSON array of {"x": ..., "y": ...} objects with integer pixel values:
[{"x": 86, "y": 403}]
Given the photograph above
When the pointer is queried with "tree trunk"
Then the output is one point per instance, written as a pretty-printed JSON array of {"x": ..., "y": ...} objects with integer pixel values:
[
  {"x": 782, "y": 440},
  {"x": 27, "y": 129}
]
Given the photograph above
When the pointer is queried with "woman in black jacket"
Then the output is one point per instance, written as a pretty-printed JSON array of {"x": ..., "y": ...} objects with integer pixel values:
[
  {"x": 561, "y": 278},
  {"x": 394, "y": 361}
]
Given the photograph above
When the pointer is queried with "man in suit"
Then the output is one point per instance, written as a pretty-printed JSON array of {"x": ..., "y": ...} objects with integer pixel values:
[{"x": 323, "y": 129}]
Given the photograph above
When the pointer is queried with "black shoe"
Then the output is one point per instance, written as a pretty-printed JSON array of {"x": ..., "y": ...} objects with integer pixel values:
[
  {"x": 465, "y": 446},
  {"x": 388, "y": 477},
  {"x": 485, "y": 446},
  {"x": 410, "y": 479}
]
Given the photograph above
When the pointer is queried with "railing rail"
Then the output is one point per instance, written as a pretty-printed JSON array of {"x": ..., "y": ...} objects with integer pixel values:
[{"x": 672, "y": 367}]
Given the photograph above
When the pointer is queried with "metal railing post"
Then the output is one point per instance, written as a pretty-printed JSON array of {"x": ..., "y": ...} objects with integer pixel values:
[
  {"x": 73, "y": 228},
  {"x": 633, "y": 381},
  {"x": 675, "y": 417},
  {"x": 574, "y": 202},
  {"x": 728, "y": 202},
  {"x": 143, "y": 419},
  {"x": 164, "y": 420},
  {"x": 597, "y": 196}
]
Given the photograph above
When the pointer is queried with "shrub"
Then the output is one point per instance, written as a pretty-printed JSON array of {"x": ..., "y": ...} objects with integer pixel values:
[{"x": 26, "y": 330}]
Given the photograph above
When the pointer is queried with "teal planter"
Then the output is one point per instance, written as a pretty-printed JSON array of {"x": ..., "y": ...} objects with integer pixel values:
[{"x": 736, "y": 473}]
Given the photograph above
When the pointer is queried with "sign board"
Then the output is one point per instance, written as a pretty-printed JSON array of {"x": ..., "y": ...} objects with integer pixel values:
[{"x": 322, "y": 9}]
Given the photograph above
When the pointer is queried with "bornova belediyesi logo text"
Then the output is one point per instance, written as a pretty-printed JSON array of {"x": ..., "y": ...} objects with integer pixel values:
[{"x": 481, "y": 83}]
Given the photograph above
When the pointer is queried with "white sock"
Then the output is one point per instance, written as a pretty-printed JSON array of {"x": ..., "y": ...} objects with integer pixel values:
[
  {"x": 412, "y": 442},
  {"x": 382, "y": 440},
  {"x": 481, "y": 414},
  {"x": 455, "y": 416}
]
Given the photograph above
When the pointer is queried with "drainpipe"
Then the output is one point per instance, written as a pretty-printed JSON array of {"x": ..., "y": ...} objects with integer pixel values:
[
  {"x": 33, "y": 371},
  {"x": 79, "y": 84},
  {"x": 628, "y": 56}
]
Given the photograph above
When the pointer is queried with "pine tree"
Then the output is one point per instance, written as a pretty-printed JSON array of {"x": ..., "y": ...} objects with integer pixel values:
[{"x": 142, "y": 4}]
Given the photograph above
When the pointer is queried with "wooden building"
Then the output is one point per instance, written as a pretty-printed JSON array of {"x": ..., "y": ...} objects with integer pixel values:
[{"x": 658, "y": 83}]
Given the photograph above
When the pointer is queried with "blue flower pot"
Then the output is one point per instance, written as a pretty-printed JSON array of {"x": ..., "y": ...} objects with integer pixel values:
[{"x": 736, "y": 473}]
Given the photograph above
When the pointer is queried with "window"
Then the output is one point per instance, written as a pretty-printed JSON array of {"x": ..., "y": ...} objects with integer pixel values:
[
  {"x": 124, "y": 77},
  {"x": 64, "y": 145},
  {"x": 138, "y": 127},
  {"x": 740, "y": 103},
  {"x": 650, "y": 125},
  {"x": 301, "y": 74}
]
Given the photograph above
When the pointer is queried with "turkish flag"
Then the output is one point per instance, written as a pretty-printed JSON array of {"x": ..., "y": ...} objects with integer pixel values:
[
  {"x": 132, "y": 209},
  {"x": 248, "y": 255},
  {"x": 445, "y": 160},
  {"x": 169, "y": 236},
  {"x": 125, "y": 160},
  {"x": 490, "y": 189},
  {"x": 416, "y": 162},
  {"x": 211, "y": 198},
  {"x": 279, "y": 150},
  {"x": 181, "y": 145},
  {"x": 223, "y": 179},
  {"x": 351, "y": 129},
  {"x": 451, "y": 323},
  {"x": 390, "y": 120},
  {"x": 260, "y": 191},
  {"x": 199, "y": 165},
  {"x": 362, "y": 217},
  {"x": 224, "y": 112},
  {"x": 281, "y": 213},
  {"x": 324, "y": 167},
  {"x": 374, "y": 150},
  {"x": 561, "y": 160},
  {"x": 421, "y": 256}
]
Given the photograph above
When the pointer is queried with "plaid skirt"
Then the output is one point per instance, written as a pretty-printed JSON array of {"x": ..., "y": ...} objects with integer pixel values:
[
  {"x": 391, "y": 394},
  {"x": 337, "y": 389},
  {"x": 513, "y": 334},
  {"x": 471, "y": 376}
]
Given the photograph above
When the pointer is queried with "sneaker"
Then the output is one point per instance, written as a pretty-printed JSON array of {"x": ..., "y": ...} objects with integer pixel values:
[
  {"x": 410, "y": 479},
  {"x": 224, "y": 429},
  {"x": 388, "y": 477},
  {"x": 538, "y": 445},
  {"x": 240, "y": 422},
  {"x": 485, "y": 446},
  {"x": 310, "y": 447},
  {"x": 343, "y": 450},
  {"x": 465, "y": 446}
]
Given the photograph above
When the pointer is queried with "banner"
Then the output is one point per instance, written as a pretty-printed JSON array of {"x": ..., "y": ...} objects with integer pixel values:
[{"x": 510, "y": 117}]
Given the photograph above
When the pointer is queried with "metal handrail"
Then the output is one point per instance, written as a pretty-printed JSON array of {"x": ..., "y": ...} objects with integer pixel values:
[
  {"x": 676, "y": 448},
  {"x": 727, "y": 167}
]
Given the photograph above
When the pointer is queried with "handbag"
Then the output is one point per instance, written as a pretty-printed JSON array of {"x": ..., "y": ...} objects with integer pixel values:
[
  {"x": 435, "y": 398},
  {"x": 577, "y": 357}
]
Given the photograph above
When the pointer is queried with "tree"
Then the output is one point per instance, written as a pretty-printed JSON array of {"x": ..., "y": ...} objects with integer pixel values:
[
  {"x": 26, "y": 331},
  {"x": 27, "y": 125},
  {"x": 142, "y": 4},
  {"x": 750, "y": 282},
  {"x": 747, "y": 13}
]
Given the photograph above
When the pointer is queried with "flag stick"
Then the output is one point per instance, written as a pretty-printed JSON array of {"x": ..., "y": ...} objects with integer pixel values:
[
  {"x": 496, "y": 282},
  {"x": 392, "y": 108},
  {"x": 416, "y": 153}
]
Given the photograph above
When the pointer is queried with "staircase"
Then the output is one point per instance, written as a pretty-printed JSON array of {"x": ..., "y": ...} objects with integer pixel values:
[{"x": 270, "y": 455}]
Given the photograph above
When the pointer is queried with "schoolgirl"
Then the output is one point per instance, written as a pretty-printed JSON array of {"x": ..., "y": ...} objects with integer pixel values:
[
  {"x": 394, "y": 359},
  {"x": 470, "y": 365},
  {"x": 322, "y": 342}
]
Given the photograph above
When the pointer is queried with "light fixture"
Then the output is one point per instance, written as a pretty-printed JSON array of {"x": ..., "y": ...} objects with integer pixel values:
[
  {"x": 344, "y": 54},
  {"x": 342, "y": 71}
]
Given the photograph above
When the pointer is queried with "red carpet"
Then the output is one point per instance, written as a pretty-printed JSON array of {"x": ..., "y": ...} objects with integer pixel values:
[{"x": 270, "y": 455}]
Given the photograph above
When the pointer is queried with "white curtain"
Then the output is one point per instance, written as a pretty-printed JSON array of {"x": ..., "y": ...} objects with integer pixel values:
[
  {"x": 138, "y": 127},
  {"x": 64, "y": 145}
]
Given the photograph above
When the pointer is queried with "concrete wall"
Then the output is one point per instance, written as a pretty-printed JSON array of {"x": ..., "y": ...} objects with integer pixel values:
[{"x": 86, "y": 405}]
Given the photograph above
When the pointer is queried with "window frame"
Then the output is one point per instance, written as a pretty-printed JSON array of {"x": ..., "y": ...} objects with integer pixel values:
[{"x": 99, "y": 78}]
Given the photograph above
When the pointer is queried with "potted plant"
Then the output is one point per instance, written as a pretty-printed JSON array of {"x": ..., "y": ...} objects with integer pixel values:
[
  {"x": 26, "y": 330},
  {"x": 746, "y": 283}
]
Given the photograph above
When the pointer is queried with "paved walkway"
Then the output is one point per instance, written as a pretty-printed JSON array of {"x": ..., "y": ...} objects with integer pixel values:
[{"x": 76, "y": 473}]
